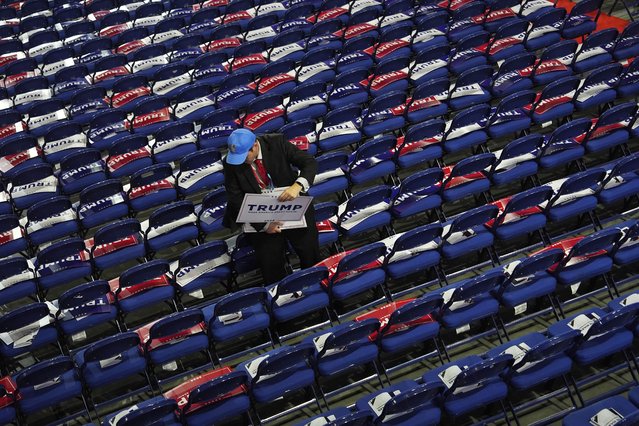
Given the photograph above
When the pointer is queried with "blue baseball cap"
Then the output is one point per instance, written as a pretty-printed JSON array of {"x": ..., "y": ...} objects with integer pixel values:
[{"x": 240, "y": 143}]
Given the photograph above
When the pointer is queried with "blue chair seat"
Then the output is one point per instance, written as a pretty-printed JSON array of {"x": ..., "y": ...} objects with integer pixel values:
[
  {"x": 120, "y": 256},
  {"x": 542, "y": 286},
  {"x": 460, "y": 191},
  {"x": 382, "y": 169},
  {"x": 339, "y": 141},
  {"x": 422, "y": 261},
  {"x": 329, "y": 365},
  {"x": 208, "y": 279},
  {"x": 375, "y": 221},
  {"x": 364, "y": 281},
  {"x": 583, "y": 416},
  {"x": 146, "y": 298},
  {"x": 67, "y": 389},
  {"x": 428, "y": 153},
  {"x": 474, "y": 399},
  {"x": 184, "y": 233},
  {"x": 508, "y": 128},
  {"x": 326, "y": 238},
  {"x": 56, "y": 231},
  {"x": 572, "y": 209},
  {"x": 400, "y": 340},
  {"x": 424, "y": 114},
  {"x": 562, "y": 158},
  {"x": 7, "y": 415},
  {"x": 554, "y": 113},
  {"x": 503, "y": 90},
  {"x": 603, "y": 97},
  {"x": 13, "y": 247},
  {"x": 466, "y": 141},
  {"x": 256, "y": 322},
  {"x": 299, "y": 307},
  {"x": 45, "y": 336},
  {"x": 626, "y": 255},
  {"x": 619, "y": 192},
  {"x": 132, "y": 362},
  {"x": 591, "y": 63},
  {"x": 166, "y": 353},
  {"x": 17, "y": 291},
  {"x": 227, "y": 408},
  {"x": 579, "y": 30},
  {"x": 584, "y": 270},
  {"x": 482, "y": 307},
  {"x": 65, "y": 276},
  {"x": 523, "y": 170},
  {"x": 466, "y": 101},
  {"x": 329, "y": 186},
  {"x": 608, "y": 141},
  {"x": 481, "y": 240},
  {"x": 603, "y": 346},
  {"x": 105, "y": 215},
  {"x": 521, "y": 227},
  {"x": 633, "y": 396},
  {"x": 74, "y": 326},
  {"x": 420, "y": 206}
]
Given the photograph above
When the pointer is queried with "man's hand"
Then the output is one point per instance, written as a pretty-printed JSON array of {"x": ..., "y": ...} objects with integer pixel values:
[
  {"x": 290, "y": 193},
  {"x": 274, "y": 228}
]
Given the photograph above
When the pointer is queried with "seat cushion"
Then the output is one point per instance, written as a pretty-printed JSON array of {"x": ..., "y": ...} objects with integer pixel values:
[
  {"x": 521, "y": 227},
  {"x": 413, "y": 336},
  {"x": 481, "y": 307},
  {"x": 190, "y": 345},
  {"x": 541, "y": 285},
  {"x": 417, "y": 263},
  {"x": 334, "y": 364},
  {"x": 585, "y": 270},
  {"x": 147, "y": 298},
  {"x": 572, "y": 208},
  {"x": 481, "y": 240},
  {"x": 219, "y": 411},
  {"x": 360, "y": 283}
]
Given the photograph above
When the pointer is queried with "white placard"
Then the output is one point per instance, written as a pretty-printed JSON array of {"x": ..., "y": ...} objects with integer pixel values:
[{"x": 260, "y": 208}]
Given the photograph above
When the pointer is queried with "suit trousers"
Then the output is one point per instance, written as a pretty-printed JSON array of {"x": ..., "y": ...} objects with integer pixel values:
[{"x": 270, "y": 249}]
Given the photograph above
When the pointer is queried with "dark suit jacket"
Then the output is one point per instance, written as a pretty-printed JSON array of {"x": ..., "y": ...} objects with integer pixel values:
[{"x": 278, "y": 157}]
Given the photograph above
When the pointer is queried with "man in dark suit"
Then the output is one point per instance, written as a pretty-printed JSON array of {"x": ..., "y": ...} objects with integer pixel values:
[{"x": 256, "y": 163}]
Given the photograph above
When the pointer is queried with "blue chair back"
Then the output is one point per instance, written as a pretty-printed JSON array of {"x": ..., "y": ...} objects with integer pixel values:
[
  {"x": 428, "y": 304},
  {"x": 477, "y": 286},
  {"x": 357, "y": 259},
  {"x": 411, "y": 401},
  {"x": 158, "y": 413},
  {"x": 240, "y": 301},
  {"x": 472, "y": 218},
  {"x": 484, "y": 371},
  {"x": 350, "y": 334},
  {"x": 216, "y": 389}
]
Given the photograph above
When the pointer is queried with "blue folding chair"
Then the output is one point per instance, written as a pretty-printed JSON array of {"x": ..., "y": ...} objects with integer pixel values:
[
  {"x": 152, "y": 186},
  {"x": 510, "y": 116},
  {"x": 328, "y": 234},
  {"x": 411, "y": 325},
  {"x": 390, "y": 75},
  {"x": 49, "y": 383},
  {"x": 106, "y": 126},
  {"x": 150, "y": 115},
  {"x": 217, "y": 400},
  {"x": 167, "y": 80},
  {"x": 280, "y": 372},
  {"x": 472, "y": 383},
  {"x": 611, "y": 129},
  {"x": 539, "y": 359},
  {"x": 471, "y": 88},
  {"x": 403, "y": 402},
  {"x": 318, "y": 64},
  {"x": 143, "y": 286},
  {"x": 175, "y": 337},
  {"x": 61, "y": 140},
  {"x": 430, "y": 63},
  {"x": 428, "y": 101},
  {"x": 527, "y": 280},
  {"x": 603, "y": 334},
  {"x": 367, "y": 210},
  {"x": 299, "y": 294},
  {"x": 598, "y": 88},
  {"x": 596, "y": 50},
  {"x": 431, "y": 30},
  {"x": 384, "y": 114},
  {"x": 626, "y": 45},
  {"x": 265, "y": 114},
  {"x": 277, "y": 78},
  {"x": 211, "y": 212},
  {"x": 26, "y": 329},
  {"x": 217, "y": 126},
  {"x": 509, "y": 40},
  {"x": 30, "y": 91},
  {"x": 113, "y": 360},
  {"x": 620, "y": 182},
  {"x": 563, "y": 146},
  {"x": 414, "y": 251},
  {"x": 302, "y": 133},
  {"x": 517, "y": 161},
  {"x": 467, "y": 233},
  {"x": 340, "y": 128},
  {"x": 340, "y": 415},
  {"x": 467, "y": 177},
  {"x": 470, "y": 52},
  {"x": 555, "y": 62},
  {"x": 199, "y": 171},
  {"x": 50, "y": 219},
  {"x": 116, "y": 244},
  {"x": 357, "y": 272},
  {"x": 12, "y": 236},
  {"x": 467, "y": 129},
  {"x": 615, "y": 408},
  {"x": 576, "y": 197},
  {"x": 83, "y": 308},
  {"x": 418, "y": 193},
  {"x": 545, "y": 29},
  {"x": 345, "y": 346},
  {"x": 128, "y": 155},
  {"x": 237, "y": 315},
  {"x": 421, "y": 144},
  {"x": 372, "y": 160},
  {"x": 170, "y": 225},
  {"x": 555, "y": 100},
  {"x": 129, "y": 91},
  {"x": 290, "y": 43},
  {"x": 61, "y": 263},
  {"x": 102, "y": 202},
  {"x": 522, "y": 214},
  {"x": 208, "y": 70},
  {"x": 467, "y": 19},
  {"x": 236, "y": 90},
  {"x": 154, "y": 410},
  {"x": 514, "y": 75},
  {"x": 81, "y": 169},
  {"x": 203, "y": 267},
  {"x": 628, "y": 84},
  {"x": 578, "y": 22},
  {"x": 588, "y": 258},
  {"x": 109, "y": 69},
  {"x": 307, "y": 101},
  {"x": 17, "y": 280},
  {"x": 32, "y": 184},
  {"x": 348, "y": 89}
]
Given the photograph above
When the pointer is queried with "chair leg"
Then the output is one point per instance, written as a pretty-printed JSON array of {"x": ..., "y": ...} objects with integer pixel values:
[
  {"x": 444, "y": 349},
  {"x": 492, "y": 318},
  {"x": 376, "y": 367},
  {"x": 570, "y": 395},
  {"x": 545, "y": 238},
  {"x": 503, "y": 410},
  {"x": 441, "y": 276},
  {"x": 553, "y": 307},
  {"x": 631, "y": 359},
  {"x": 595, "y": 220},
  {"x": 439, "y": 351},
  {"x": 610, "y": 283}
]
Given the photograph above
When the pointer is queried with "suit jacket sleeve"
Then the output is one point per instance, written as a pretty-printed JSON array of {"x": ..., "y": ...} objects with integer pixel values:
[{"x": 306, "y": 164}]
